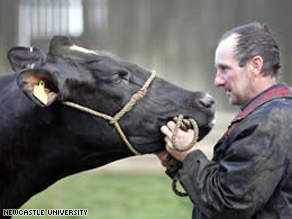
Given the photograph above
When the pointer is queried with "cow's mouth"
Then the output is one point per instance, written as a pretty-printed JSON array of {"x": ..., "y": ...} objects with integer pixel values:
[{"x": 148, "y": 144}]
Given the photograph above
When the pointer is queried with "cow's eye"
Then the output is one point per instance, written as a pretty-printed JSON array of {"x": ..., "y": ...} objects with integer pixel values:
[
  {"x": 123, "y": 75},
  {"x": 119, "y": 77}
]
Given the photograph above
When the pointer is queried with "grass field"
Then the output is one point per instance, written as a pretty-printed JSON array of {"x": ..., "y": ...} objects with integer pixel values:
[{"x": 114, "y": 196}]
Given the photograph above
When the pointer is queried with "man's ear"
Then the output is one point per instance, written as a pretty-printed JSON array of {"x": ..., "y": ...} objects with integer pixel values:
[
  {"x": 39, "y": 86},
  {"x": 257, "y": 65},
  {"x": 22, "y": 57}
]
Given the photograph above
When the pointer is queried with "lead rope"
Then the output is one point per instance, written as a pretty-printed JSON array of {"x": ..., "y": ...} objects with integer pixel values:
[
  {"x": 173, "y": 165},
  {"x": 184, "y": 124}
]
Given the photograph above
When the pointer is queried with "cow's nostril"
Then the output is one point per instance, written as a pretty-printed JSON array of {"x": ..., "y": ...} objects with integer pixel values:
[{"x": 207, "y": 101}]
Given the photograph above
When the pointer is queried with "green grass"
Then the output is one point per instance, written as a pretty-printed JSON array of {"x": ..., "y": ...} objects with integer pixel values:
[{"x": 114, "y": 196}]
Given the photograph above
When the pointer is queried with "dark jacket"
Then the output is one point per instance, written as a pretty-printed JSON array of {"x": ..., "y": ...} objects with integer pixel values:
[{"x": 250, "y": 175}]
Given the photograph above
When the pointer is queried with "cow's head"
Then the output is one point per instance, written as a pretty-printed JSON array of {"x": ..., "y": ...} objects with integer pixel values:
[{"x": 104, "y": 83}]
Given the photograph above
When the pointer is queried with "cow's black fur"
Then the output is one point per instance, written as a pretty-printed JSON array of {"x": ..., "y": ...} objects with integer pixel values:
[{"x": 40, "y": 144}]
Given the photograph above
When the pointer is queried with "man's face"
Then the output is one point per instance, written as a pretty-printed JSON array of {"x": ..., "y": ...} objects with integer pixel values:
[{"x": 236, "y": 80}]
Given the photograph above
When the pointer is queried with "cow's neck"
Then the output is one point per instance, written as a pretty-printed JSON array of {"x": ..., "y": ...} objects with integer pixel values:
[
  {"x": 32, "y": 157},
  {"x": 21, "y": 174},
  {"x": 38, "y": 174}
]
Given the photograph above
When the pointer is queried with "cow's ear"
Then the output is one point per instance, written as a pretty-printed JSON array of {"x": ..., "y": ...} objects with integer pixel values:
[
  {"x": 60, "y": 45},
  {"x": 39, "y": 86},
  {"x": 22, "y": 57}
]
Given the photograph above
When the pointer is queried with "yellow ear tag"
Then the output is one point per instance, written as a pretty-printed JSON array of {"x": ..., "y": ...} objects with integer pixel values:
[{"x": 39, "y": 92}]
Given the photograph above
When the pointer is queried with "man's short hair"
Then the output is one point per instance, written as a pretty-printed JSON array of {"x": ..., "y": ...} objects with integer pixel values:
[{"x": 256, "y": 39}]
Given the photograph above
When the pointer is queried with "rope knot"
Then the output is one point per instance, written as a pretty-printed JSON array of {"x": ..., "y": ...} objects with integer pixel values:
[{"x": 113, "y": 121}]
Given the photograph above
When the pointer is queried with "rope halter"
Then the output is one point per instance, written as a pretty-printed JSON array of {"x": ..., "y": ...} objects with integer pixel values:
[{"x": 114, "y": 120}]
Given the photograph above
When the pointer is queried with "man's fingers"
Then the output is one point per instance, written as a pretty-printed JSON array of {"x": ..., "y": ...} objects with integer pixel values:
[
  {"x": 170, "y": 150},
  {"x": 171, "y": 125},
  {"x": 168, "y": 142},
  {"x": 168, "y": 129},
  {"x": 165, "y": 130}
]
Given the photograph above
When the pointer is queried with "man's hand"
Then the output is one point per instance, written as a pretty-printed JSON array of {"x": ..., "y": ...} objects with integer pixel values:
[{"x": 183, "y": 138}]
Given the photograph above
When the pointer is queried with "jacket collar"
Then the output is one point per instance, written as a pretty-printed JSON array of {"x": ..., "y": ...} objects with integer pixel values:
[{"x": 275, "y": 91}]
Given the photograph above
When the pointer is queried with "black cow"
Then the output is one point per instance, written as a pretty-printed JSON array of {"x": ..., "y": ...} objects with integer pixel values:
[{"x": 44, "y": 141}]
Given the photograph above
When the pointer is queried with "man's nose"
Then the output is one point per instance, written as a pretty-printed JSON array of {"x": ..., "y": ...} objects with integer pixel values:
[{"x": 218, "y": 82}]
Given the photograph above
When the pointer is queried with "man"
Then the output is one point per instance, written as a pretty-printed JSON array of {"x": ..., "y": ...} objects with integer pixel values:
[{"x": 250, "y": 175}]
